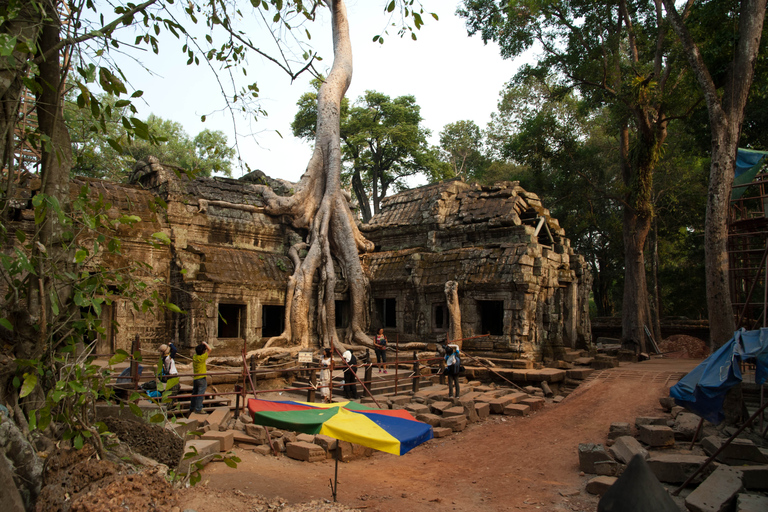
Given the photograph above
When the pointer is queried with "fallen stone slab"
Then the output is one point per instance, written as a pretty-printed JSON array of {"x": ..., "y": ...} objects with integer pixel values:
[
  {"x": 626, "y": 447},
  {"x": 751, "y": 503},
  {"x": 578, "y": 373},
  {"x": 244, "y": 439},
  {"x": 617, "y": 430},
  {"x": 483, "y": 410},
  {"x": 656, "y": 436},
  {"x": 305, "y": 438},
  {"x": 429, "y": 419},
  {"x": 309, "y": 452},
  {"x": 557, "y": 399},
  {"x": 685, "y": 426},
  {"x": 517, "y": 410},
  {"x": 440, "y": 407},
  {"x": 471, "y": 396},
  {"x": 535, "y": 403},
  {"x": 589, "y": 454},
  {"x": 675, "y": 468},
  {"x": 583, "y": 361},
  {"x": 416, "y": 409},
  {"x": 327, "y": 443},
  {"x": 543, "y": 375},
  {"x": 498, "y": 404},
  {"x": 262, "y": 449},
  {"x": 455, "y": 423},
  {"x": 600, "y": 484},
  {"x": 197, "y": 450},
  {"x": 202, "y": 418},
  {"x": 650, "y": 420},
  {"x": 717, "y": 493},
  {"x": 667, "y": 403},
  {"x": 426, "y": 392},
  {"x": 469, "y": 411},
  {"x": 482, "y": 388},
  {"x": 226, "y": 439},
  {"x": 182, "y": 426},
  {"x": 257, "y": 432},
  {"x": 219, "y": 417},
  {"x": 738, "y": 452},
  {"x": 453, "y": 411},
  {"x": 755, "y": 478},
  {"x": 608, "y": 468},
  {"x": 441, "y": 431},
  {"x": 398, "y": 400},
  {"x": 637, "y": 490}
]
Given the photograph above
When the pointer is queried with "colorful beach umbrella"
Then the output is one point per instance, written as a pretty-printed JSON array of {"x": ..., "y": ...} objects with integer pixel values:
[{"x": 393, "y": 431}]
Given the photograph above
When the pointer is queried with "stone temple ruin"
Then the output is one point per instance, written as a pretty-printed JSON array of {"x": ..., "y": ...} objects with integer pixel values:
[{"x": 226, "y": 265}]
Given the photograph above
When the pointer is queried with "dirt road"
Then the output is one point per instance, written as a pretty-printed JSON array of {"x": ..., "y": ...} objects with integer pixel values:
[{"x": 504, "y": 463}]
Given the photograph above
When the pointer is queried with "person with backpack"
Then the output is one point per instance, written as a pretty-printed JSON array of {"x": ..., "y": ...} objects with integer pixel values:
[
  {"x": 380, "y": 347},
  {"x": 350, "y": 378},
  {"x": 452, "y": 368},
  {"x": 168, "y": 366}
]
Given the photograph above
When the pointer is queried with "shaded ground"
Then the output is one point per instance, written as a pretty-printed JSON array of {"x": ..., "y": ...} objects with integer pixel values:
[{"x": 504, "y": 463}]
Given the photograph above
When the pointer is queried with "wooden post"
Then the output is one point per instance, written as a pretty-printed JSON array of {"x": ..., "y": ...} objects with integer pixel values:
[
  {"x": 313, "y": 383},
  {"x": 416, "y": 374},
  {"x": 135, "y": 347},
  {"x": 397, "y": 358},
  {"x": 369, "y": 377}
]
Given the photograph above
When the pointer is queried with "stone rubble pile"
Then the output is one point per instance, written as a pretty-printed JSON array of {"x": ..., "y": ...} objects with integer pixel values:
[{"x": 737, "y": 480}]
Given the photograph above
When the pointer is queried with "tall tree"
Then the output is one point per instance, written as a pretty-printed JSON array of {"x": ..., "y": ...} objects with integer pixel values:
[
  {"x": 725, "y": 101},
  {"x": 617, "y": 54},
  {"x": 462, "y": 146},
  {"x": 383, "y": 142}
]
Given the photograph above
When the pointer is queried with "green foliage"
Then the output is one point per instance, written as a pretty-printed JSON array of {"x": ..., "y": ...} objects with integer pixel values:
[{"x": 462, "y": 146}]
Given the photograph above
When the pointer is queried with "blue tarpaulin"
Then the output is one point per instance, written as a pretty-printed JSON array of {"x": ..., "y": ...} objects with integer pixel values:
[
  {"x": 748, "y": 164},
  {"x": 703, "y": 390}
]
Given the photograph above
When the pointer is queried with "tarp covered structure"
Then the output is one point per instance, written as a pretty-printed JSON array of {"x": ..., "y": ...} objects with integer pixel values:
[
  {"x": 703, "y": 390},
  {"x": 748, "y": 164},
  {"x": 393, "y": 431}
]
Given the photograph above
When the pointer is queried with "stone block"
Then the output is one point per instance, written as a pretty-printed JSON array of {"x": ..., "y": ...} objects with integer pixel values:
[
  {"x": 579, "y": 373},
  {"x": 717, "y": 493},
  {"x": 557, "y": 399},
  {"x": 398, "y": 400},
  {"x": 656, "y": 436},
  {"x": 483, "y": 410},
  {"x": 531, "y": 389},
  {"x": 182, "y": 426},
  {"x": 626, "y": 447},
  {"x": 666, "y": 403},
  {"x": 279, "y": 444},
  {"x": 738, "y": 452},
  {"x": 417, "y": 409},
  {"x": 455, "y": 423},
  {"x": 583, "y": 361},
  {"x": 546, "y": 375},
  {"x": 257, "y": 432},
  {"x": 327, "y": 443},
  {"x": 289, "y": 437},
  {"x": 675, "y": 468},
  {"x": 305, "y": 438},
  {"x": 535, "y": 403},
  {"x": 453, "y": 411},
  {"x": 441, "y": 432},
  {"x": 676, "y": 410},
  {"x": 600, "y": 484},
  {"x": 650, "y": 420},
  {"x": 219, "y": 415},
  {"x": 245, "y": 418},
  {"x": 244, "y": 439},
  {"x": 469, "y": 411},
  {"x": 226, "y": 439},
  {"x": 517, "y": 410},
  {"x": 498, "y": 404},
  {"x": 617, "y": 430},
  {"x": 202, "y": 418},
  {"x": 429, "y": 419},
  {"x": 262, "y": 449},
  {"x": 439, "y": 407},
  {"x": 685, "y": 426},
  {"x": 751, "y": 503},
  {"x": 301, "y": 450},
  {"x": 608, "y": 468},
  {"x": 755, "y": 478},
  {"x": 198, "y": 450},
  {"x": 589, "y": 454}
]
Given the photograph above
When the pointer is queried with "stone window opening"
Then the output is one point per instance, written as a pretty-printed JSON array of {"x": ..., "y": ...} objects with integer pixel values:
[
  {"x": 231, "y": 321},
  {"x": 272, "y": 320},
  {"x": 440, "y": 317},
  {"x": 387, "y": 309},
  {"x": 542, "y": 233},
  {"x": 342, "y": 314},
  {"x": 491, "y": 313}
]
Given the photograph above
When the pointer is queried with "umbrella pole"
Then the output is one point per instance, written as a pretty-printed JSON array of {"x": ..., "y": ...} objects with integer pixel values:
[{"x": 335, "y": 482}]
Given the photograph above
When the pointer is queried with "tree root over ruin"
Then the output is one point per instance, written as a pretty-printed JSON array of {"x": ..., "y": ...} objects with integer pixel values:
[{"x": 321, "y": 206}]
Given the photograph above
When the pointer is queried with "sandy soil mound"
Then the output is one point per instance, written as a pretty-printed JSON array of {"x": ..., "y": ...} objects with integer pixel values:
[{"x": 682, "y": 346}]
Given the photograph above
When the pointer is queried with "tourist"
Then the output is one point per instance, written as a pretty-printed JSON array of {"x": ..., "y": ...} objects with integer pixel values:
[
  {"x": 452, "y": 368},
  {"x": 168, "y": 366},
  {"x": 380, "y": 347},
  {"x": 350, "y": 375},
  {"x": 199, "y": 384},
  {"x": 325, "y": 375}
]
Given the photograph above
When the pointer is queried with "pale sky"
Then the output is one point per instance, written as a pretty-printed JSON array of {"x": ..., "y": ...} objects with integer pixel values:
[{"x": 452, "y": 76}]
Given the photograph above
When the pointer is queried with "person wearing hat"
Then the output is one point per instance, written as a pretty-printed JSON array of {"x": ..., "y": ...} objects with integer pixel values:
[
  {"x": 168, "y": 370},
  {"x": 350, "y": 379}
]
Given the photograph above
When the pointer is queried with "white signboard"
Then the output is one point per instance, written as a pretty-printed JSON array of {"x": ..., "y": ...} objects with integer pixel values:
[{"x": 305, "y": 357}]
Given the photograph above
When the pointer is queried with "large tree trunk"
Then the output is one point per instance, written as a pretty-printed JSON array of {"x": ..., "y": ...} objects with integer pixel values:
[
  {"x": 321, "y": 206},
  {"x": 635, "y": 303},
  {"x": 726, "y": 117}
]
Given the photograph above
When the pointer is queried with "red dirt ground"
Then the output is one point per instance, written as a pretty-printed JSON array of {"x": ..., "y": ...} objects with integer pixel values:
[{"x": 504, "y": 463}]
